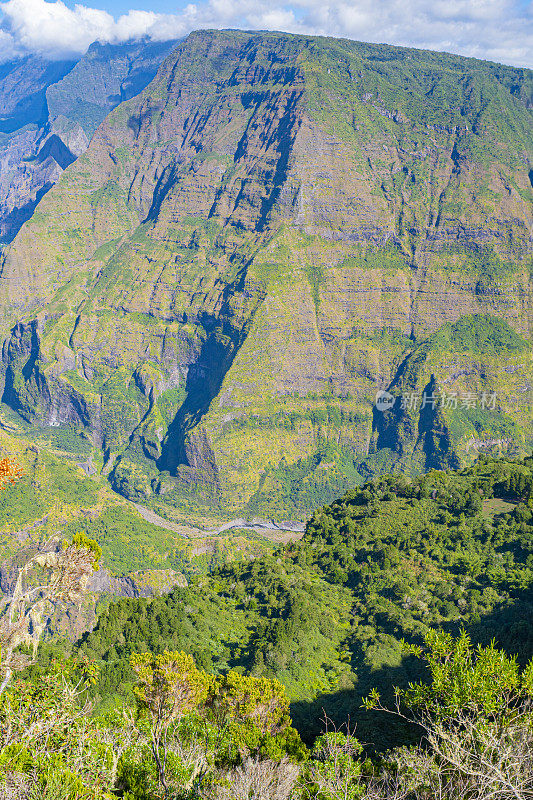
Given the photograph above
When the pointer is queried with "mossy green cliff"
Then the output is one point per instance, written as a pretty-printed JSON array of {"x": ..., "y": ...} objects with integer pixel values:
[{"x": 273, "y": 230}]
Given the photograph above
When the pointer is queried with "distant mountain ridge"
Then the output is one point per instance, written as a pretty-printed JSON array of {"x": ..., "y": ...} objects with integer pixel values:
[
  {"x": 273, "y": 230},
  {"x": 49, "y": 111}
]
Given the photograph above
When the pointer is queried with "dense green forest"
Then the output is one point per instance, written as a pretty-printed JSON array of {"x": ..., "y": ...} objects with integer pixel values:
[
  {"x": 190, "y": 735},
  {"x": 333, "y": 619},
  {"x": 327, "y": 615}
]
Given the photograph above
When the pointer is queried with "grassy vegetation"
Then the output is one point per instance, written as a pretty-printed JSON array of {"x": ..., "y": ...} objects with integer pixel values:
[
  {"x": 441, "y": 96},
  {"x": 54, "y": 495},
  {"x": 482, "y": 262},
  {"x": 371, "y": 257},
  {"x": 47, "y": 483},
  {"x": 480, "y": 334}
]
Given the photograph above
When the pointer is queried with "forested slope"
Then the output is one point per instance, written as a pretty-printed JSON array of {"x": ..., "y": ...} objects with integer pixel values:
[{"x": 327, "y": 615}]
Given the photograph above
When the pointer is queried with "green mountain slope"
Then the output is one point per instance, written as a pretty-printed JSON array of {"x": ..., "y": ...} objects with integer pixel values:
[
  {"x": 274, "y": 229},
  {"x": 327, "y": 615}
]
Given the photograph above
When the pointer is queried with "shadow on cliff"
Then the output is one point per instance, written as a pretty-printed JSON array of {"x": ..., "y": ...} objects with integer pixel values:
[
  {"x": 418, "y": 436},
  {"x": 204, "y": 380},
  {"x": 225, "y": 335},
  {"x": 283, "y": 140},
  {"x": 11, "y": 223}
]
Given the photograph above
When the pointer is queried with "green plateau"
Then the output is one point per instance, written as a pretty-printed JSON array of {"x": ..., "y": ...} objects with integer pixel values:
[{"x": 142, "y": 554}]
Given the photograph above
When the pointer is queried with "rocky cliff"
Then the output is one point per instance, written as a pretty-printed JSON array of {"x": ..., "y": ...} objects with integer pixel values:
[
  {"x": 49, "y": 111},
  {"x": 273, "y": 230}
]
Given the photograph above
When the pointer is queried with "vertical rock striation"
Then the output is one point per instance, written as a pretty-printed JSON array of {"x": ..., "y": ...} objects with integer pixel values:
[{"x": 271, "y": 231}]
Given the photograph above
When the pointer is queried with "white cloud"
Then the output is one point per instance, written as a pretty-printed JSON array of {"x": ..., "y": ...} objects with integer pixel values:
[
  {"x": 8, "y": 48},
  {"x": 53, "y": 28},
  {"x": 501, "y": 30}
]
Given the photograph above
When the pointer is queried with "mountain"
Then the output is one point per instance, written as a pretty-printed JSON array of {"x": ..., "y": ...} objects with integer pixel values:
[
  {"x": 49, "y": 111},
  {"x": 275, "y": 228}
]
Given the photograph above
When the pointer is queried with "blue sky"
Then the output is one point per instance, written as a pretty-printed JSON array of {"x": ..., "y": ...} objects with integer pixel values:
[
  {"x": 499, "y": 30},
  {"x": 118, "y": 7}
]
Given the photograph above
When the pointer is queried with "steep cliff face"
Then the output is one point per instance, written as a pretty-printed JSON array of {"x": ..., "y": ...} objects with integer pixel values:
[
  {"x": 49, "y": 111},
  {"x": 274, "y": 229}
]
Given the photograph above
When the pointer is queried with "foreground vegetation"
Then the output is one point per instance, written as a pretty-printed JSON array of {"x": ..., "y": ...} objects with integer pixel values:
[
  {"x": 317, "y": 671},
  {"x": 193, "y": 736}
]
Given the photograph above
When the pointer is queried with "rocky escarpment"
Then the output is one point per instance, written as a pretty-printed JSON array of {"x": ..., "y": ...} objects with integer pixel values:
[
  {"x": 273, "y": 230},
  {"x": 73, "y": 621},
  {"x": 49, "y": 111}
]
